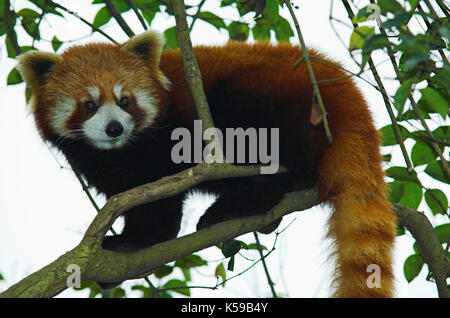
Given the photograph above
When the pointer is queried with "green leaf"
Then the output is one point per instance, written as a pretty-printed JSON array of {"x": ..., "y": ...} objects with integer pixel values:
[
  {"x": 435, "y": 171},
  {"x": 359, "y": 36},
  {"x": 363, "y": 14},
  {"x": 230, "y": 265},
  {"x": 102, "y": 17},
  {"x": 374, "y": 42},
  {"x": 389, "y": 6},
  {"x": 221, "y": 272},
  {"x": 118, "y": 293},
  {"x": 254, "y": 246},
  {"x": 92, "y": 286},
  {"x": 435, "y": 101},
  {"x": 283, "y": 30},
  {"x": 402, "y": 94},
  {"x": 412, "y": 196},
  {"x": 398, "y": 20},
  {"x": 442, "y": 133},
  {"x": 400, "y": 230},
  {"x": 413, "y": 3},
  {"x": 56, "y": 44},
  {"x": 412, "y": 61},
  {"x": 443, "y": 233},
  {"x": 271, "y": 11},
  {"x": 238, "y": 31},
  {"x": 14, "y": 77},
  {"x": 422, "y": 153},
  {"x": 437, "y": 201},
  {"x": 28, "y": 15},
  {"x": 396, "y": 190},
  {"x": 163, "y": 270},
  {"x": 1, "y": 277},
  {"x": 190, "y": 261},
  {"x": 174, "y": 285},
  {"x": 212, "y": 19},
  {"x": 171, "y": 38},
  {"x": 412, "y": 267},
  {"x": 388, "y": 135},
  {"x": 402, "y": 174},
  {"x": 231, "y": 248},
  {"x": 146, "y": 291},
  {"x": 261, "y": 30},
  {"x": 121, "y": 5}
]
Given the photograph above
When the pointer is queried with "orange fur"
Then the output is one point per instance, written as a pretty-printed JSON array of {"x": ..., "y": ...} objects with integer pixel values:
[
  {"x": 362, "y": 226},
  {"x": 348, "y": 172}
]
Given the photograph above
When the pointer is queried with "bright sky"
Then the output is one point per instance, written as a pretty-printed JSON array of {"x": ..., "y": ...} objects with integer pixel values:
[{"x": 44, "y": 212}]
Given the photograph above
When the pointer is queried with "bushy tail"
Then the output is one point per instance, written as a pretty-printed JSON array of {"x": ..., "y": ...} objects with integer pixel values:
[{"x": 362, "y": 225}]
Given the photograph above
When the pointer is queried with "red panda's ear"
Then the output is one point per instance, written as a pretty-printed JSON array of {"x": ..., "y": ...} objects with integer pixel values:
[
  {"x": 35, "y": 66},
  {"x": 148, "y": 47}
]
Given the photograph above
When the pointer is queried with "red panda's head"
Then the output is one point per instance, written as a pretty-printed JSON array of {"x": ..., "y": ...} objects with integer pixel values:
[{"x": 103, "y": 93}]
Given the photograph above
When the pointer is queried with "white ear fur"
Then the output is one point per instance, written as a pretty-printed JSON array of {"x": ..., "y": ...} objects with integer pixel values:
[
  {"x": 34, "y": 67},
  {"x": 148, "y": 47}
]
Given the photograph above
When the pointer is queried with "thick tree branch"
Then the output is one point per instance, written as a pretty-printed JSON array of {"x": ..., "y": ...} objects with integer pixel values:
[
  {"x": 430, "y": 248},
  {"x": 107, "y": 266}
]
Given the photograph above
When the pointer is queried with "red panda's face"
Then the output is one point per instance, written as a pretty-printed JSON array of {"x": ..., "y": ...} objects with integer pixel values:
[
  {"x": 100, "y": 93},
  {"x": 108, "y": 113}
]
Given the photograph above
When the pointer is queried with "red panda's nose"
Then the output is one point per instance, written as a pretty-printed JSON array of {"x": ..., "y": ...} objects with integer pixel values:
[{"x": 114, "y": 129}]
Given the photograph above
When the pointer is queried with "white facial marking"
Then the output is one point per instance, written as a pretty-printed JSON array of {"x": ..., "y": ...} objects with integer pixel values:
[
  {"x": 118, "y": 91},
  {"x": 60, "y": 113},
  {"x": 95, "y": 127},
  {"x": 94, "y": 92},
  {"x": 147, "y": 103}
]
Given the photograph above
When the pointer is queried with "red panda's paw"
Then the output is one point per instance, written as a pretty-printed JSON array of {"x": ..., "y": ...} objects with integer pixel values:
[{"x": 119, "y": 244}]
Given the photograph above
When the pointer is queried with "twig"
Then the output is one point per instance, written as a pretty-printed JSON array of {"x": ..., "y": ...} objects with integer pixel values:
[
  {"x": 56, "y": 5},
  {"x": 195, "y": 17},
  {"x": 387, "y": 103},
  {"x": 132, "y": 5},
  {"x": 266, "y": 270},
  {"x": 10, "y": 28},
  {"x": 428, "y": 24},
  {"x": 118, "y": 17},
  {"x": 312, "y": 76},
  {"x": 443, "y": 7}
]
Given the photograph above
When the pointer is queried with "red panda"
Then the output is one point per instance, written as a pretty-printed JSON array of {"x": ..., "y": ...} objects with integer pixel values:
[{"x": 111, "y": 110}]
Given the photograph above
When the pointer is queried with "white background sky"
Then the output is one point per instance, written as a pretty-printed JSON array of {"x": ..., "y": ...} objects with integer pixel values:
[{"x": 44, "y": 212}]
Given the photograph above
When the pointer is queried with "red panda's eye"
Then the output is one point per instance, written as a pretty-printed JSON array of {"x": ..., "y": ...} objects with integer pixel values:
[
  {"x": 124, "y": 102},
  {"x": 90, "y": 106}
]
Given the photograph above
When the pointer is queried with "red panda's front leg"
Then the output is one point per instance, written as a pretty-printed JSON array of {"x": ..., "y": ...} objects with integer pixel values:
[
  {"x": 240, "y": 197},
  {"x": 147, "y": 225}
]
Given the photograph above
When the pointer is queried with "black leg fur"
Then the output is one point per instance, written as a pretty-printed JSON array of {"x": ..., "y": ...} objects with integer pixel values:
[
  {"x": 147, "y": 225},
  {"x": 245, "y": 197}
]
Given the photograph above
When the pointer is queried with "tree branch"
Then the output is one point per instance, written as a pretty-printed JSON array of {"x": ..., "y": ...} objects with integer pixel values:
[
  {"x": 118, "y": 17},
  {"x": 387, "y": 104},
  {"x": 108, "y": 266},
  {"x": 56, "y": 5},
  {"x": 430, "y": 248},
  {"x": 10, "y": 27},
  {"x": 312, "y": 76}
]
